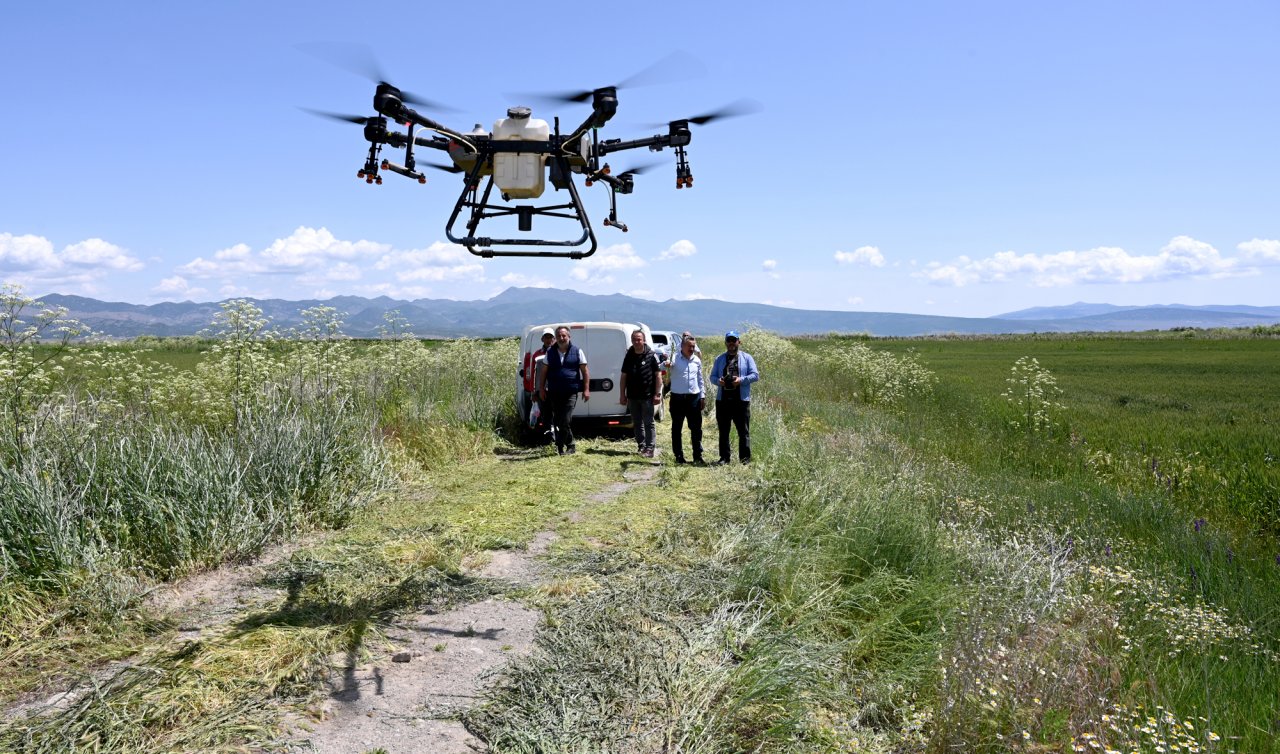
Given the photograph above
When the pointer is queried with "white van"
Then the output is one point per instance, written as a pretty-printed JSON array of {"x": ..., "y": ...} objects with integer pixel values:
[{"x": 605, "y": 344}]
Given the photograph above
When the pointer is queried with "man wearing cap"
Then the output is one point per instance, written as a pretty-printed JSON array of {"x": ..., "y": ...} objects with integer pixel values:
[
  {"x": 733, "y": 372},
  {"x": 538, "y": 372}
]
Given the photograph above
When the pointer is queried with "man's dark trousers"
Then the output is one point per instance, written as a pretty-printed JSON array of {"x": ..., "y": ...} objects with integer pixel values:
[
  {"x": 685, "y": 406},
  {"x": 737, "y": 412},
  {"x": 562, "y": 405}
]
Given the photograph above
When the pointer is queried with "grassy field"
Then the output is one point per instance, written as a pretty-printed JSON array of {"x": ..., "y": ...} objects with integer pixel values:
[
  {"x": 912, "y": 562},
  {"x": 1194, "y": 415}
]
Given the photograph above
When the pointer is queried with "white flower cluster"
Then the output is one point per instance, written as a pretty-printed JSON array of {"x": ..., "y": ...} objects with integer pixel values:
[{"x": 1033, "y": 392}]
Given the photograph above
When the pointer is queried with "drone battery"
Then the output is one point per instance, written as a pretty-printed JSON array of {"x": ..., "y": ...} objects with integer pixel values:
[{"x": 520, "y": 175}]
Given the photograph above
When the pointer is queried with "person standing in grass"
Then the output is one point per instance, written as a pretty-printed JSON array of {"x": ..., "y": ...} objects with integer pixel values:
[
  {"x": 733, "y": 372},
  {"x": 641, "y": 390},
  {"x": 566, "y": 376},
  {"x": 536, "y": 373},
  {"x": 687, "y": 334},
  {"x": 688, "y": 396}
]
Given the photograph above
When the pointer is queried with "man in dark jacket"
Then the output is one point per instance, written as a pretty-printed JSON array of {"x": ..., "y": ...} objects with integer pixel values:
[
  {"x": 641, "y": 390},
  {"x": 566, "y": 376}
]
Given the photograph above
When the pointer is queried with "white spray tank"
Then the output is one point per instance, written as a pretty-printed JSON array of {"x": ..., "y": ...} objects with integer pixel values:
[{"x": 520, "y": 175}]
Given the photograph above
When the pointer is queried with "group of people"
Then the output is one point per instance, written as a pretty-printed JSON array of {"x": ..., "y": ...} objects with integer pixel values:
[{"x": 563, "y": 374}]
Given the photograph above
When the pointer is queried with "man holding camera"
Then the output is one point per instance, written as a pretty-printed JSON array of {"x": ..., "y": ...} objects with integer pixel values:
[{"x": 733, "y": 372}]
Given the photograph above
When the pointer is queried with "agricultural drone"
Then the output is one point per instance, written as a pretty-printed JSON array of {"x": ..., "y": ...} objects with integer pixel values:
[{"x": 517, "y": 159}]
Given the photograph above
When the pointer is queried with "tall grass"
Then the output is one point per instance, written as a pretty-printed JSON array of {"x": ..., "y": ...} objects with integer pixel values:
[
  {"x": 121, "y": 471},
  {"x": 1016, "y": 597},
  {"x": 910, "y": 571}
]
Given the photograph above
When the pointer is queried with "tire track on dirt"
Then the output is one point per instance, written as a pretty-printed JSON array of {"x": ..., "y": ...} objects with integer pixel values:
[{"x": 411, "y": 700}]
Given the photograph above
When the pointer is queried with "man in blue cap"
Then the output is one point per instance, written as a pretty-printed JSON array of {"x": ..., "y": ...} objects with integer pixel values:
[{"x": 733, "y": 372}]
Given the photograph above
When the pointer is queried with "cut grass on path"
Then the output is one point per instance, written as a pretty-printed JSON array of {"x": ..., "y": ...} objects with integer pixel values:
[{"x": 330, "y": 600}]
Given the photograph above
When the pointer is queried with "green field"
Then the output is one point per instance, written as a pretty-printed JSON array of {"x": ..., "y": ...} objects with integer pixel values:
[
  {"x": 1196, "y": 415},
  {"x": 909, "y": 564}
]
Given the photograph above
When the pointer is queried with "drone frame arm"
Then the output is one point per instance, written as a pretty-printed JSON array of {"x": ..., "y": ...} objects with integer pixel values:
[{"x": 680, "y": 136}]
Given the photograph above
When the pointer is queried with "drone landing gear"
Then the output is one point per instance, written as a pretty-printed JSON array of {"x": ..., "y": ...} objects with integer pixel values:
[
  {"x": 369, "y": 173},
  {"x": 684, "y": 175},
  {"x": 481, "y": 209},
  {"x": 612, "y": 219}
]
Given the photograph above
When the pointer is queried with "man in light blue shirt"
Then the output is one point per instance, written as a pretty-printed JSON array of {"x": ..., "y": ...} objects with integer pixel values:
[
  {"x": 688, "y": 396},
  {"x": 733, "y": 373}
]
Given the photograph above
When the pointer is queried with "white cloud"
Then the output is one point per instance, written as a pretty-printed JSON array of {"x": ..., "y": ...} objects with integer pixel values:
[
  {"x": 309, "y": 247},
  {"x": 177, "y": 286},
  {"x": 525, "y": 281},
  {"x": 769, "y": 264},
  {"x": 854, "y": 300},
  {"x": 33, "y": 262},
  {"x": 697, "y": 297},
  {"x": 231, "y": 290},
  {"x": 93, "y": 258},
  {"x": 437, "y": 263},
  {"x": 28, "y": 253},
  {"x": 473, "y": 271},
  {"x": 409, "y": 292},
  {"x": 599, "y": 267},
  {"x": 318, "y": 259},
  {"x": 640, "y": 293},
  {"x": 1182, "y": 257},
  {"x": 1260, "y": 251},
  {"x": 306, "y": 249},
  {"x": 344, "y": 271},
  {"x": 98, "y": 253},
  {"x": 678, "y": 250},
  {"x": 437, "y": 254},
  {"x": 868, "y": 255}
]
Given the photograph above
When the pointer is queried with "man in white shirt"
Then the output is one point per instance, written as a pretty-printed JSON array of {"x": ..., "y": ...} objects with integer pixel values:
[{"x": 688, "y": 396}]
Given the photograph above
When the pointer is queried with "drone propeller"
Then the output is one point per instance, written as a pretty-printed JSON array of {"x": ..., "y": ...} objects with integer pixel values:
[
  {"x": 732, "y": 110},
  {"x": 678, "y": 66},
  {"x": 438, "y": 166},
  {"x": 359, "y": 59},
  {"x": 359, "y": 120},
  {"x": 639, "y": 169}
]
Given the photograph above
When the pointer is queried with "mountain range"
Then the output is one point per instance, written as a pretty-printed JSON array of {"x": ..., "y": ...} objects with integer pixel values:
[{"x": 510, "y": 311}]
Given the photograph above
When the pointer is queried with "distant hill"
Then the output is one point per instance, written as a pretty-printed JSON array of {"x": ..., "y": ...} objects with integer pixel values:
[{"x": 508, "y": 312}]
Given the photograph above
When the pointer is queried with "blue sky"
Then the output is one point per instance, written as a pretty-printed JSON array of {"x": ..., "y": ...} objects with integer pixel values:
[{"x": 942, "y": 158}]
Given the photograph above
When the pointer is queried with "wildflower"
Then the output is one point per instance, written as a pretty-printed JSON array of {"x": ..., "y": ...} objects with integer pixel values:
[{"x": 1199, "y": 524}]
